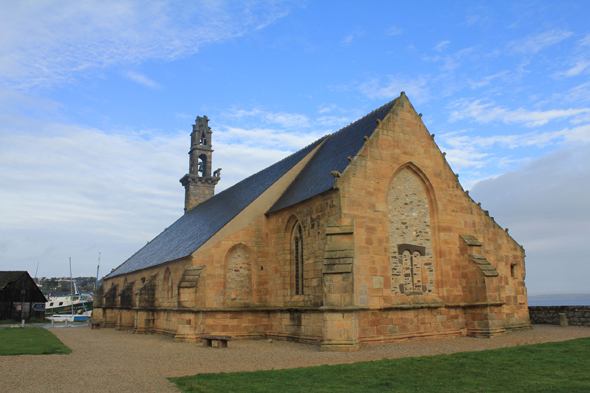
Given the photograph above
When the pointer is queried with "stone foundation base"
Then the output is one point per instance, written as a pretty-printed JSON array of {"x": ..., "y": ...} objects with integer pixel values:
[
  {"x": 187, "y": 338},
  {"x": 486, "y": 332},
  {"x": 515, "y": 328},
  {"x": 411, "y": 336},
  {"x": 339, "y": 346},
  {"x": 186, "y": 334}
]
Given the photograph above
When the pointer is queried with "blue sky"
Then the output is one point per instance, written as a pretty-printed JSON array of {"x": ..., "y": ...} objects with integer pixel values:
[{"x": 97, "y": 99}]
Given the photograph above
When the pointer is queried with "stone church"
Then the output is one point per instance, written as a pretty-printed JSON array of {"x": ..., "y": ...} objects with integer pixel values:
[{"x": 365, "y": 236}]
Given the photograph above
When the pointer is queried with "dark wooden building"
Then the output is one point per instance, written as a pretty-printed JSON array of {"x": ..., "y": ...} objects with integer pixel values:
[{"x": 18, "y": 296}]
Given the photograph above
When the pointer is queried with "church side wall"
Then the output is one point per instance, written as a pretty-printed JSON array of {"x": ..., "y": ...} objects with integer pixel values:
[
  {"x": 289, "y": 316},
  {"x": 129, "y": 310},
  {"x": 301, "y": 320},
  {"x": 257, "y": 256}
]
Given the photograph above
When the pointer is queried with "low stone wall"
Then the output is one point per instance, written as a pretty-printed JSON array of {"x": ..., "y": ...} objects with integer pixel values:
[{"x": 576, "y": 315}]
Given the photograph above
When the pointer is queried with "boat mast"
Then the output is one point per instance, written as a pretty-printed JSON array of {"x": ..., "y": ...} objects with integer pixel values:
[
  {"x": 71, "y": 288},
  {"x": 97, "y": 269}
]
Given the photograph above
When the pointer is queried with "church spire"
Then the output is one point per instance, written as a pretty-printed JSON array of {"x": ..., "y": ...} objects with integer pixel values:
[{"x": 199, "y": 184}]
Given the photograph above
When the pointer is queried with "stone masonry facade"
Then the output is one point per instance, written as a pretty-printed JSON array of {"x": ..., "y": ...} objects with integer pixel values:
[{"x": 396, "y": 249}]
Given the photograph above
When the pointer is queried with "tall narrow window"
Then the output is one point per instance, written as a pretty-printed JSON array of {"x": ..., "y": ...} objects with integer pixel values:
[
  {"x": 167, "y": 284},
  {"x": 298, "y": 258}
]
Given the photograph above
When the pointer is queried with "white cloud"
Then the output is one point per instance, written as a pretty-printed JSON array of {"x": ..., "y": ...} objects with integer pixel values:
[
  {"x": 329, "y": 118},
  {"x": 579, "y": 67},
  {"x": 416, "y": 89},
  {"x": 352, "y": 36},
  {"x": 395, "y": 30},
  {"x": 69, "y": 188},
  {"x": 535, "y": 43},
  {"x": 486, "y": 112},
  {"x": 441, "y": 45},
  {"x": 470, "y": 150},
  {"x": 43, "y": 43},
  {"x": 264, "y": 138},
  {"x": 285, "y": 120},
  {"x": 502, "y": 75},
  {"x": 580, "y": 134},
  {"x": 142, "y": 80},
  {"x": 328, "y": 108},
  {"x": 580, "y": 62},
  {"x": 480, "y": 157},
  {"x": 74, "y": 191},
  {"x": 544, "y": 203},
  {"x": 451, "y": 61},
  {"x": 334, "y": 121}
]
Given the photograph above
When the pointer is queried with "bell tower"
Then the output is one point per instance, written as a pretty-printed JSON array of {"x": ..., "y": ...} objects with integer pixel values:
[{"x": 199, "y": 184}]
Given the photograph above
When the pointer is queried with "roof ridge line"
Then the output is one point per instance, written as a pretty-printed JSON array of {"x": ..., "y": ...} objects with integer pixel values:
[
  {"x": 365, "y": 116},
  {"x": 273, "y": 164}
]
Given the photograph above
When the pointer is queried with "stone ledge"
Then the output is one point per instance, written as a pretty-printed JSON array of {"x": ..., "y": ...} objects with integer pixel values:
[
  {"x": 313, "y": 309},
  {"x": 485, "y": 266},
  {"x": 340, "y": 230},
  {"x": 471, "y": 240}
]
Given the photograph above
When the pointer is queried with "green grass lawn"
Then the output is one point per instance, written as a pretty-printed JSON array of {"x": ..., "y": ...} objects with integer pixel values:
[
  {"x": 30, "y": 341},
  {"x": 550, "y": 367}
]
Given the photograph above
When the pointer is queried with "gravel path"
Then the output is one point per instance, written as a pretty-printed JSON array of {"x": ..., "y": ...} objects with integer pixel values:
[{"x": 107, "y": 360}]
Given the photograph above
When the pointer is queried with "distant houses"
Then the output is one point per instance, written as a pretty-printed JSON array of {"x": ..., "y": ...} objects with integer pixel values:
[{"x": 20, "y": 298}]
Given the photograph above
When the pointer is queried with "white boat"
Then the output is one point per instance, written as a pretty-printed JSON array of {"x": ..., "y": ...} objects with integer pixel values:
[
  {"x": 70, "y": 317},
  {"x": 76, "y": 303}
]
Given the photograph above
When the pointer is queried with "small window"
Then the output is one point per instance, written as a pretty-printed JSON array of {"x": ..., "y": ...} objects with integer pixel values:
[
  {"x": 61, "y": 303},
  {"x": 513, "y": 270},
  {"x": 297, "y": 245}
]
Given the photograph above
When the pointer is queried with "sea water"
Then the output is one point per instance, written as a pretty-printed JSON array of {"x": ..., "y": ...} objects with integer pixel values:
[{"x": 563, "y": 302}]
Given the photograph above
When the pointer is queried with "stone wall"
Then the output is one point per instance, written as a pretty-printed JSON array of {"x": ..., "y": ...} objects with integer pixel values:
[
  {"x": 576, "y": 315},
  {"x": 239, "y": 275}
]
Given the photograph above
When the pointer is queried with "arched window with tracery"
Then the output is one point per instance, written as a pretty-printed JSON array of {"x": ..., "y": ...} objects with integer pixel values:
[{"x": 297, "y": 253}]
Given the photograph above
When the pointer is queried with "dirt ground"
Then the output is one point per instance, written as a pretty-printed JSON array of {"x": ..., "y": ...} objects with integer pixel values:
[{"x": 107, "y": 360}]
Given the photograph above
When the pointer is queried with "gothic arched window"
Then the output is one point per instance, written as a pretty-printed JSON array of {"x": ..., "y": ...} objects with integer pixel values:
[{"x": 297, "y": 252}]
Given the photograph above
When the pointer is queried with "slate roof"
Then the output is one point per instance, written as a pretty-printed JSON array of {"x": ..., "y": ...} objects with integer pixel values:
[
  {"x": 316, "y": 177},
  {"x": 9, "y": 276},
  {"x": 194, "y": 228},
  {"x": 197, "y": 226}
]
